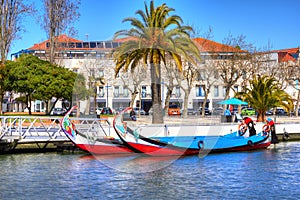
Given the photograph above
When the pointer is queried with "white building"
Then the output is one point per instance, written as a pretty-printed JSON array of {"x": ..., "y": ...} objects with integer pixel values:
[{"x": 93, "y": 59}]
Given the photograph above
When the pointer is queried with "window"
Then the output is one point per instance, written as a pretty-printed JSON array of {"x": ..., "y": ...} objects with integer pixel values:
[
  {"x": 125, "y": 92},
  {"x": 101, "y": 73},
  {"x": 115, "y": 44},
  {"x": 216, "y": 74},
  {"x": 202, "y": 74},
  {"x": 177, "y": 92},
  {"x": 116, "y": 91},
  {"x": 85, "y": 45},
  {"x": 125, "y": 75},
  {"x": 224, "y": 91},
  {"x": 71, "y": 45},
  {"x": 78, "y": 45},
  {"x": 93, "y": 44},
  {"x": 101, "y": 91},
  {"x": 200, "y": 91},
  {"x": 108, "y": 45},
  {"x": 216, "y": 91},
  {"x": 100, "y": 44},
  {"x": 144, "y": 91},
  {"x": 236, "y": 88}
]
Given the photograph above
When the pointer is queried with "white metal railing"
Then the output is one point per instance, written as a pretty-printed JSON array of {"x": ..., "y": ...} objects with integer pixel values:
[{"x": 26, "y": 128}]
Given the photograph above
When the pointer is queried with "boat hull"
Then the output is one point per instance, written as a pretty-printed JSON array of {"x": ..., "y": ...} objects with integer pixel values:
[
  {"x": 96, "y": 143},
  {"x": 104, "y": 149}
]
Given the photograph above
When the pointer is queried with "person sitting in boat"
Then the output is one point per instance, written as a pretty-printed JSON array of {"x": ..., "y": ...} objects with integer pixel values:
[
  {"x": 242, "y": 128},
  {"x": 274, "y": 138},
  {"x": 250, "y": 125}
]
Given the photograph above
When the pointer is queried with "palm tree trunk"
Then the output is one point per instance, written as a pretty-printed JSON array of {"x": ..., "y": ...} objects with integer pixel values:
[{"x": 157, "y": 116}]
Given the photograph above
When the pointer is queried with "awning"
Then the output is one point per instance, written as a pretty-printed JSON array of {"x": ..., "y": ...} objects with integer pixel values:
[
  {"x": 101, "y": 100},
  {"x": 175, "y": 100},
  {"x": 121, "y": 100},
  {"x": 200, "y": 100}
]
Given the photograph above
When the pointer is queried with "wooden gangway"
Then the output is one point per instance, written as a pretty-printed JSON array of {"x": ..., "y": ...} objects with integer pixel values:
[{"x": 42, "y": 131}]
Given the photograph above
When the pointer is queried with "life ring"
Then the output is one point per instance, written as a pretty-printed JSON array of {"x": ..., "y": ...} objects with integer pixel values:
[
  {"x": 250, "y": 143},
  {"x": 200, "y": 145},
  {"x": 242, "y": 128},
  {"x": 266, "y": 128}
]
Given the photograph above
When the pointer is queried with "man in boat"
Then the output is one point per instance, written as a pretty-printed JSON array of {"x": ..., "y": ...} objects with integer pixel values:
[
  {"x": 250, "y": 124},
  {"x": 274, "y": 138}
]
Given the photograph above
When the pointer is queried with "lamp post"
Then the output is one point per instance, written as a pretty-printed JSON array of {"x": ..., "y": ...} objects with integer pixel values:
[
  {"x": 163, "y": 94},
  {"x": 107, "y": 86}
]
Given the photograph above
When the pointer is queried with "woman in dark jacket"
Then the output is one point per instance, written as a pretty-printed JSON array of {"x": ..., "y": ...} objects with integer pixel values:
[{"x": 274, "y": 138}]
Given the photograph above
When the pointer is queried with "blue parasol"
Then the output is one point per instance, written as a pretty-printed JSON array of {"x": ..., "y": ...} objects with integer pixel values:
[{"x": 233, "y": 101}]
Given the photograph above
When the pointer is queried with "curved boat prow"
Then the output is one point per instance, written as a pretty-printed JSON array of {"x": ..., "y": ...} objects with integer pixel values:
[{"x": 67, "y": 126}]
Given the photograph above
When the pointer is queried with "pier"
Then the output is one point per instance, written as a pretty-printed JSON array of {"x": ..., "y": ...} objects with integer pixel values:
[{"x": 41, "y": 134}]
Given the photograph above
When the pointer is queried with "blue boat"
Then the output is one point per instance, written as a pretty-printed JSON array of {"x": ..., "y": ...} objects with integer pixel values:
[{"x": 186, "y": 145}]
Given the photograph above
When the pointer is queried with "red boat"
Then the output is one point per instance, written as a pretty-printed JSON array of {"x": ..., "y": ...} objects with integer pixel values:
[{"x": 95, "y": 142}]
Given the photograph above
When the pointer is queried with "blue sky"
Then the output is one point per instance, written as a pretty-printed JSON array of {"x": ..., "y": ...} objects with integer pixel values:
[{"x": 261, "y": 21}]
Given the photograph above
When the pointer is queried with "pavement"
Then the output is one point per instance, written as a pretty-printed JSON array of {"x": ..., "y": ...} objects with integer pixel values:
[{"x": 213, "y": 119}]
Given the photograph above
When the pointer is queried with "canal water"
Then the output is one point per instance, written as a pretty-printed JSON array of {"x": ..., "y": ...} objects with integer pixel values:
[{"x": 266, "y": 174}]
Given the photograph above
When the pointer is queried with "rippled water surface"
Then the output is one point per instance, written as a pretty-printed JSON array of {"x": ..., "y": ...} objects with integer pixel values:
[{"x": 267, "y": 174}]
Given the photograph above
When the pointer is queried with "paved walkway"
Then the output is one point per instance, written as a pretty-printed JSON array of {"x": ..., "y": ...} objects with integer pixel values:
[{"x": 209, "y": 119}]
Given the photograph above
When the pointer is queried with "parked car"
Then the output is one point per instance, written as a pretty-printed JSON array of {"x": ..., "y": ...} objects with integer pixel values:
[
  {"x": 106, "y": 111},
  {"x": 137, "y": 110},
  {"x": 191, "y": 111},
  {"x": 206, "y": 111},
  {"x": 174, "y": 110},
  {"x": 58, "y": 111},
  {"x": 280, "y": 111},
  {"x": 269, "y": 112},
  {"x": 248, "y": 111},
  {"x": 218, "y": 111}
]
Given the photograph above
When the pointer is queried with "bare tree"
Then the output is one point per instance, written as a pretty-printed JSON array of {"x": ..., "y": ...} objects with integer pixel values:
[
  {"x": 186, "y": 80},
  {"x": 132, "y": 81},
  {"x": 12, "y": 13},
  {"x": 170, "y": 71},
  {"x": 237, "y": 61},
  {"x": 291, "y": 75},
  {"x": 58, "y": 18}
]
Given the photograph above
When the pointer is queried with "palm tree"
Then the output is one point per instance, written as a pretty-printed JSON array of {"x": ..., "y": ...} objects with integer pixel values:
[
  {"x": 263, "y": 94},
  {"x": 154, "y": 39}
]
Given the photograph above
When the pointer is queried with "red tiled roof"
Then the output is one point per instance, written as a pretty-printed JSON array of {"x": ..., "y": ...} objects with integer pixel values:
[
  {"x": 285, "y": 57},
  {"x": 60, "y": 38},
  {"x": 206, "y": 45},
  {"x": 290, "y": 50}
]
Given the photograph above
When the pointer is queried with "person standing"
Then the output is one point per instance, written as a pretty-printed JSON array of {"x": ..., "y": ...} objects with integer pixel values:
[
  {"x": 227, "y": 115},
  {"x": 98, "y": 113},
  {"x": 274, "y": 138}
]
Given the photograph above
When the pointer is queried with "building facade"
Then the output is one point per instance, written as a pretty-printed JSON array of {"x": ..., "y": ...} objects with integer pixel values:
[{"x": 93, "y": 60}]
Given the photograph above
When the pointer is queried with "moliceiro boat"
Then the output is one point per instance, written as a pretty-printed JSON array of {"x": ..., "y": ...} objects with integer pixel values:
[
  {"x": 187, "y": 139},
  {"x": 94, "y": 139}
]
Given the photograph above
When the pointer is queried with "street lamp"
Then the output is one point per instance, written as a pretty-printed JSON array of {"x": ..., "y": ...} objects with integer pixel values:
[{"x": 107, "y": 86}]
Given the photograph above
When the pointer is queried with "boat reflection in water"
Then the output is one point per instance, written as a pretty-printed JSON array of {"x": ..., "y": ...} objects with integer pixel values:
[{"x": 133, "y": 163}]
